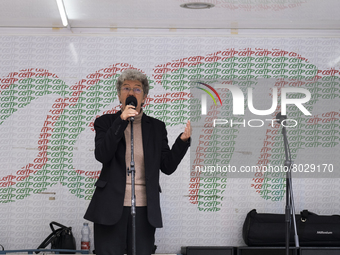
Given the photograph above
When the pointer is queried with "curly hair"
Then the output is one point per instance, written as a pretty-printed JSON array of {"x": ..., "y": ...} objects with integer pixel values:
[{"x": 133, "y": 75}]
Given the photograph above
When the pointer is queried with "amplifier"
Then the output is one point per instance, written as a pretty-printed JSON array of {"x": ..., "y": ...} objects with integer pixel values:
[
  {"x": 246, "y": 250},
  {"x": 319, "y": 250},
  {"x": 208, "y": 250}
]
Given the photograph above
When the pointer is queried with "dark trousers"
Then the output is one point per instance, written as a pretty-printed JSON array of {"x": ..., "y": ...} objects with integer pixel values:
[{"x": 117, "y": 239}]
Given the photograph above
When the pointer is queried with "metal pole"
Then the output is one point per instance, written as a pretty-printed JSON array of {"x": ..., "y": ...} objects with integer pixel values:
[{"x": 133, "y": 195}]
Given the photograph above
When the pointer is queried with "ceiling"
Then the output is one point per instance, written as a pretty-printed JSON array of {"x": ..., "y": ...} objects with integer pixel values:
[{"x": 167, "y": 14}]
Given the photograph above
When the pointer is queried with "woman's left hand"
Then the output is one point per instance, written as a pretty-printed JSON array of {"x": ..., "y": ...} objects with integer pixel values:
[{"x": 187, "y": 132}]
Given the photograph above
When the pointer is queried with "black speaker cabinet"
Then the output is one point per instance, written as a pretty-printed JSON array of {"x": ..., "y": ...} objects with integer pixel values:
[
  {"x": 208, "y": 250},
  {"x": 319, "y": 250},
  {"x": 246, "y": 250}
]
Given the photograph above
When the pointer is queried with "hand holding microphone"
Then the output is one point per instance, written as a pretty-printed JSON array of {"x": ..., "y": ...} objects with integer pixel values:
[{"x": 129, "y": 109}]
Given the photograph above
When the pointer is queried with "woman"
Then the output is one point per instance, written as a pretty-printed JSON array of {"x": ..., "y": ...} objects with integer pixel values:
[{"x": 110, "y": 207}]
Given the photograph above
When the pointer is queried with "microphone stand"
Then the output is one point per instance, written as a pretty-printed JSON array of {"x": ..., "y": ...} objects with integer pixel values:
[
  {"x": 290, "y": 207},
  {"x": 133, "y": 195}
]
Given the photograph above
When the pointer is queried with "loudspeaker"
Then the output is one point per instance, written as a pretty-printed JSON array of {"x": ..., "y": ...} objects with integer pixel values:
[
  {"x": 246, "y": 250},
  {"x": 208, "y": 250},
  {"x": 319, "y": 250}
]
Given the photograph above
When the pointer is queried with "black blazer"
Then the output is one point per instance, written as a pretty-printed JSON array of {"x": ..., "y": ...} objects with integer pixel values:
[{"x": 106, "y": 205}]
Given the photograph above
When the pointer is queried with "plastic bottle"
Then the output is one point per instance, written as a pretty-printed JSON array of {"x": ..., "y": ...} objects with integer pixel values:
[{"x": 85, "y": 237}]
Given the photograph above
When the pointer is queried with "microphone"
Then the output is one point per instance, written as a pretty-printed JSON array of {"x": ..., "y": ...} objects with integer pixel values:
[
  {"x": 131, "y": 100},
  {"x": 280, "y": 118}
]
